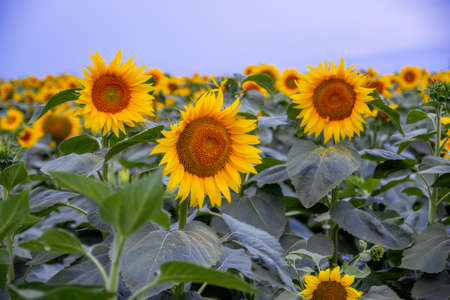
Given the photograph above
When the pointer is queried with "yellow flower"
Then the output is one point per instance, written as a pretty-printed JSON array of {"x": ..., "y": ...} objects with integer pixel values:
[
  {"x": 28, "y": 137},
  {"x": 332, "y": 101},
  {"x": 270, "y": 70},
  {"x": 5, "y": 90},
  {"x": 170, "y": 84},
  {"x": 371, "y": 73},
  {"x": 207, "y": 149},
  {"x": 288, "y": 82},
  {"x": 445, "y": 120},
  {"x": 410, "y": 77},
  {"x": 170, "y": 101},
  {"x": 250, "y": 70},
  {"x": 330, "y": 285},
  {"x": 158, "y": 76},
  {"x": 383, "y": 85},
  {"x": 60, "y": 124},
  {"x": 253, "y": 86},
  {"x": 114, "y": 95},
  {"x": 12, "y": 120},
  {"x": 46, "y": 92}
]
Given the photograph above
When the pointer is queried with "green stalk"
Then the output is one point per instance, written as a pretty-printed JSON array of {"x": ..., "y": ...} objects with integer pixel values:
[
  {"x": 9, "y": 246},
  {"x": 334, "y": 231},
  {"x": 119, "y": 242},
  {"x": 432, "y": 208},
  {"x": 182, "y": 211}
]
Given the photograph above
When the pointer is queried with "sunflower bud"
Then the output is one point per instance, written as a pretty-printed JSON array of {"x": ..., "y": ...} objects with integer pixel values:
[{"x": 376, "y": 252}]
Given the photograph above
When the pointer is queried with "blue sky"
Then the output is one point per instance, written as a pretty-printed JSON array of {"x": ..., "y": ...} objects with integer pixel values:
[{"x": 39, "y": 37}]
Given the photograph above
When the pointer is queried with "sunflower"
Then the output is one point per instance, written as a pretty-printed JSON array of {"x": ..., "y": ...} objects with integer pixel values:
[
  {"x": 60, "y": 124},
  {"x": 158, "y": 77},
  {"x": 114, "y": 95},
  {"x": 28, "y": 137},
  {"x": 170, "y": 84},
  {"x": 332, "y": 101},
  {"x": 330, "y": 285},
  {"x": 5, "y": 90},
  {"x": 250, "y": 70},
  {"x": 410, "y": 77},
  {"x": 207, "y": 149},
  {"x": 288, "y": 82},
  {"x": 269, "y": 70},
  {"x": 383, "y": 85},
  {"x": 12, "y": 120},
  {"x": 253, "y": 86}
]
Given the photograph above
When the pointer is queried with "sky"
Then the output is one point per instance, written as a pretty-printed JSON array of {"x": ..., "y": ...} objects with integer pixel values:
[{"x": 40, "y": 37}]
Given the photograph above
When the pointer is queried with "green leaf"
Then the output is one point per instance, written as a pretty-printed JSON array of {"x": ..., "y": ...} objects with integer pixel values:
[
  {"x": 134, "y": 204},
  {"x": 429, "y": 253},
  {"x": 55, "y": 241},
  {"x": 86, "y": 164},
  {"x": 415, "y": 116},
  {"x": 91, "y": 188},
  {"x": 433, "y": 287},
  {"x": 382, "y": 292},
  {"x": 149, "y": 135},
  {"x": 79, "y": 144},
  {"x": 263, "y": 80},
  {"x": 413, "y": 191},
  {"x": 315, "y": 171},
  {"x": 442, "y": 181},
  {"x": 355, "y": 271},
  {"x": 13, "y": 211},
  {"x": 366, "y": 227},
  {"x": 390, "y": 166},
  {"x": 146, "y": 250},
  {"x": 5, "y": 262},
  {"x": 13, "y": 175},
  {"x": 390, "y": 185},
  {"x": 42, "y": 291},
  {"x": 186, "y": 272},
  {"x": 394, "y": 116},
  {"x": 61, "y": 97},
  {"x": 380, "y": 155}
]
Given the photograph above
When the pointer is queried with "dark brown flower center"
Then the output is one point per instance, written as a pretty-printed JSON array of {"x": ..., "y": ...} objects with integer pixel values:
[
  {"x": 330, "y": 290},
  {"x": 204, "y": 147},
  {"x": 110, "y": 94},
  {"x": 334, "y": 99},
  {"x": 59, "y": 127},
  {"x": 290, "y": 82},
  {"x": 409, "y": 76}
]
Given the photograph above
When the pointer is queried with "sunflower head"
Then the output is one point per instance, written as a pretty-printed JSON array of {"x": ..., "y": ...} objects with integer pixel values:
[
  {"x": 157, "y": 76},
  {"x": 28, "y": 137},
  {"x": 332, "y": 100},
  {"x": 207, "y": 149},
  {"x": 60, "y": 124},
  {"x": 383, "y": 85},
  {"x": 250, "y": 70},
  {"x": 288, "y": 82},
  {"x": 329, "y": 285},
  {"x": 269, "y": 70},
  {"x": 114, "y": 95},
  {"x": 5, "y": 90},
  {"x": 12, "y": 120},
  {"x": 410, "y": 77}
]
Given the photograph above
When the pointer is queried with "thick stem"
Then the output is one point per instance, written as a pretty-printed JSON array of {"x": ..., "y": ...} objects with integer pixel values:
[
  {"x": 334, "y": 228},
  {"x": 182, "y": 213},
  {"x": 437, "y": 152},
  {"x": 9, "y": 245},
  {"x": 119, "y": 241}
]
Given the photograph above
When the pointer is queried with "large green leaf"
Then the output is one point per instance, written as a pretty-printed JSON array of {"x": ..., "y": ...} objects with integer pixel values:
[
  {"x": 380, "y": 155},
  {"x": 315, "y": 171},
  {"x": 41, "y": 291},
  {"x": 186, "y": 272},
  {"x": 42, "y": 198},
  {"x": 145, "y": 251},
  {"x": 264, "y": 210},
  {"x": 79, "y": 144},
  {"x": 134, "y": 204},
  {"x": 13, "y": 211},
  {"x": 366, "y": 227},
  {"x": 5, "y": 262},
  {"x": 55, "y": 241},
  {"x": 149, "y": 135},
  {"x": 381, "y": 292},
  {"x": 435, "y": 287},
  {"x": 85, "y": 164},
  {"x": 13, "y": 175},
  {"x": 263, "y": 80},
  {"x": 429, "y": 253},
  {"x": 59, "y": 98},
  {"x": 91, "y": 188},
  {"x": 415, "y": 116}
]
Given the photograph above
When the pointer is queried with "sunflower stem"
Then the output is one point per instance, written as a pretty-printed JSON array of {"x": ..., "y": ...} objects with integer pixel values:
[
  {"x": 182, "y": 212},
  {"x": 334, "y": 231},
  {"x": 432, "y": 208},
  {"x": 9, "y": 246},
  {"x": 119, "y": 242}
]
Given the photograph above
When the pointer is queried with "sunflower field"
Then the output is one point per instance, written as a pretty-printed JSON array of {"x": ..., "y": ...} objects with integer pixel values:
[{"x": 130, "y": 183}]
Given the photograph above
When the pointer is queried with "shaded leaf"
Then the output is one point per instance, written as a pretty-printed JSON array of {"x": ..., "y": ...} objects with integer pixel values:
[
  {"x": 381, "y": 292},
  {"x": 394, "y": 116},
  {"x": 13, "y": 175},
  {"x": 430, "y": 251},
  {"x": 365, "y": 226},
  {"x": 380, "y": 155},
  {"x": 55, "y": 241},
  {"x": 234, "y": 259},
  {"x": 5, "y": 262},
  {"x": 275, "y": 174},
  {"x": 79, "y": 144},
  {"x": 42, "y": 198},
  {"x": 85, "y": 164},
  {"x": 13, "y": 211},
  {"x": 435, "y": 287}
]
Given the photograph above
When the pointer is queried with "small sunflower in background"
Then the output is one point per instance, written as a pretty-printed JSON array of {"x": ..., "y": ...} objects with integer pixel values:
[
  {"x": 169, "y": 85},
  {"x": 6, "y": 90},
  {"x": 12, "y": 120},
  {"x": 114, "y": 95},
  {"x": 287, "y": 83},
  {"x": 383, "y": 85},
  {"x": 269, "y": 70},
  {"x": 158, "y": 77},
  {"x": 28, "y": 137},
  {"x": 250, "y": 70},
  {"x": 60, "y": 124},
  {"x": 330, "y": 285},
  {"x": 332, "y": 101},
  {"x": 410, "y": 77},
  {"x": 207, "y": 149},
  {"x": 253, "y": 86}
]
